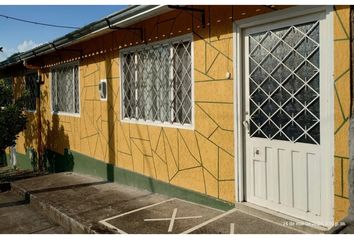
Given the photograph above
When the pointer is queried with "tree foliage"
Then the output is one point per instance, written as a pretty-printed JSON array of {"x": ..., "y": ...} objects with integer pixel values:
[{"x": 12, "y": 115}]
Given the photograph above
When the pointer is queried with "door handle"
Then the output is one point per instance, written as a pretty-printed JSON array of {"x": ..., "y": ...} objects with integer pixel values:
[{"x": 246, "y": 124}]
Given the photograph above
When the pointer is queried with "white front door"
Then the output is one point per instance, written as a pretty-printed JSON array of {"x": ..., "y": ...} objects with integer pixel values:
[{"x": 284, "y": 117}]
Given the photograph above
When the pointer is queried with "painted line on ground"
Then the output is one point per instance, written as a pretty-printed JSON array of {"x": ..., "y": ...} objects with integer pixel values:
[
  {"x": 172, "y": 219},
  {"x": 232, "y": 228},
  {"x": 201, "y": 205},
  {"x": 209, "y": 221},
  {"x": 172, "y": 222},
  {"x": 244, "y": 212},
  {"x": 111, "y": 226},
  {"x": 168, "y": 219},
  {"x": 105, "y": 223},
  {"x": 136, "y": 210}
]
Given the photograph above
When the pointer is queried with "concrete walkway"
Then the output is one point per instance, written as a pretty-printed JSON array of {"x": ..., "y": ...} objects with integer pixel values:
[
  {"x": 18, "y": 217},
  {"x": 84, "y": 204}
]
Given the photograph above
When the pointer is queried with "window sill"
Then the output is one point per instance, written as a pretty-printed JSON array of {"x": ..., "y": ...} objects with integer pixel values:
[
  {"x": 66, "y": 114},
  {"x": 158, "y": 124}
]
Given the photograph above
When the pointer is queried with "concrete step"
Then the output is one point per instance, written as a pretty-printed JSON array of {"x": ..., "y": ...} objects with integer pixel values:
[
  {"x": 17, "y": 217},
  {"x": 59, "y": 217},
  {"x": 78, "y": 202},
  {"x": 67, "y": 222}
]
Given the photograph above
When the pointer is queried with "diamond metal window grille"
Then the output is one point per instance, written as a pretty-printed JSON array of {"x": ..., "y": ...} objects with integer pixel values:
[
  {"x": 30, "y": 83},
  {"x": 65, "y": 89},
  {"x": 157, "y": 83},
  {"x": 284, "y": 84}
]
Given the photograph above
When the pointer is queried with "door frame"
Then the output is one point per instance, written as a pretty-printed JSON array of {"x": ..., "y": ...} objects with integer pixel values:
[{"x": 327, "y": 130}]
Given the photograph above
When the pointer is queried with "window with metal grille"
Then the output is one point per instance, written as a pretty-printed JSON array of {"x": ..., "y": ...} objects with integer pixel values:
[
  {"x": 65, "y": 89},
  {"x": 157, "y": 82},
  {"x": 30, "y": 80}
]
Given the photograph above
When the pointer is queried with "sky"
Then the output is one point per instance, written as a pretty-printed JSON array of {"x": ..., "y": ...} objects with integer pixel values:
[{"x": 19, "y": 36}]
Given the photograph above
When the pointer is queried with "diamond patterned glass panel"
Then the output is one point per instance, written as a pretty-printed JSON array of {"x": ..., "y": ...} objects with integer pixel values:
[
  {"x": 293, "y": 60},
  {"x": 306, "y": 47},
  {"x": 281, "y": 51},
  {"x": 281, "y": 73},
  {"x": 31, "y": 89},
  {"x": 65, "y": 89},
  {"x": 258, "y": 75},
  {"x": 269, "y": 63},
  {"x": 269, "y": 41},
  {"x": 306, "y": 71},
  {"x": 284, "y": 84},
  {"x": 157, "y": 83},
  {"x": 281, "y": 96}
]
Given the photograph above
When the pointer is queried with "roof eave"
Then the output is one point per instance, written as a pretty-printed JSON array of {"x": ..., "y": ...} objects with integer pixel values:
[{"x": 126, "y": 17}]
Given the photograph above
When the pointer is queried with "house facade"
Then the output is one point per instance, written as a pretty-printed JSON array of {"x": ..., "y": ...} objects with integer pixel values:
[{"x": 214, "y": 104}]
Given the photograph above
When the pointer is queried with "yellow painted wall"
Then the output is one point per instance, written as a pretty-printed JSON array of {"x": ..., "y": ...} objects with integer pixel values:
[
  {"x": 201, "y": 159},
  {"x": 28, "y": 138},
  {"x": 342, "y": 105}
]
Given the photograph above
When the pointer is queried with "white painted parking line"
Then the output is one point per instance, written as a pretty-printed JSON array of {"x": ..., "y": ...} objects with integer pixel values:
[
  {"x": 171, "y": 219},
  {"x": 201, "y": 205},
  {"x": 136, "y": 210},
  {"x": 232, "y": 211},
  {"x": 170, "y": 227},
  {"x": 111, "y": 226},
  {"x": 232, "y": 228},
  {"x": 209, "y": 221},
  {"x": 104, "y": 221},
  {"x": 168, "y": 219}
]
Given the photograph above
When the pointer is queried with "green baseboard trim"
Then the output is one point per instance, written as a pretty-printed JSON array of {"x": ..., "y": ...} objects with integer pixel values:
[
  {"x": 80, "y": 163},
  {"x": 23, "y": 161}
]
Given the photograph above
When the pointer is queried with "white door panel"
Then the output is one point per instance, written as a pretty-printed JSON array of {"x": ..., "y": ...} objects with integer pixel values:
[
  {"x": 282, "y": 176},
  {"x": 284, "y": 117}
]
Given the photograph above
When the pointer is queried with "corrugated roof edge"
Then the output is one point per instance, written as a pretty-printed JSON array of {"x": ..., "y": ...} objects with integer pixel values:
[{"x": 121, "y": 18}]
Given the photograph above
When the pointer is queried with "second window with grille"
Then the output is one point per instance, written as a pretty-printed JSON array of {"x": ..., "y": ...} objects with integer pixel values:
[
  {"x": 65, "y": 89},
  {"x": 157, "y": 82}
]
